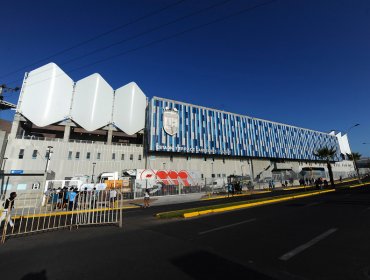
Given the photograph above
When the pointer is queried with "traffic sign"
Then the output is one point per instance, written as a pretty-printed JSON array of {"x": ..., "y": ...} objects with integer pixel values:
[{"x": 16, "y": 171}]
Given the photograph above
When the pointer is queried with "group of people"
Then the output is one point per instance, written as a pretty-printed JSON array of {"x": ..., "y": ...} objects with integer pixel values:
[
  {"x": 319, "y": 182},
  {"x": 69, "y": 199},
  {"x": 306, "y": 182},
  {"x": 234, "y": 187}
]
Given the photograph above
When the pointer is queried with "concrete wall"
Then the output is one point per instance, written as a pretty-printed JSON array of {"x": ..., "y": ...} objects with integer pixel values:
[{"x": 65, "y": 167}]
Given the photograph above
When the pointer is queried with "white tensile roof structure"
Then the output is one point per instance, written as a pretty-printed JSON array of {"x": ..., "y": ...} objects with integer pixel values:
[{"x": 50, "y": 96}]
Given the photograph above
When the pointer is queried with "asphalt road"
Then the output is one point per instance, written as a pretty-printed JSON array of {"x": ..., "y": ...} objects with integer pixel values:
[{"x": 320, "y": 237}]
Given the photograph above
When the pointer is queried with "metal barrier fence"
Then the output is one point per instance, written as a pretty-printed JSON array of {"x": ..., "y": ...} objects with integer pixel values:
[
  {"x": 166, "y": 187},
  {"x": 61, "y": 209}
]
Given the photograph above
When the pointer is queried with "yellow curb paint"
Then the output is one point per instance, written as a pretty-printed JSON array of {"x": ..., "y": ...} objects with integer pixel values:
[
  {"x": 205, "y": 212},
  {"x": 236, "y": 195},
  {"x": 297, "y": 188},
  {"x": 253, "y": 204},
  {"x": 359, "y": 185},
  {"x": 190, "y": 215}
]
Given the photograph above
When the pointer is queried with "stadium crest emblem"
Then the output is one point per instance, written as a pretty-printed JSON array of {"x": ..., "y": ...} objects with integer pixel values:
[{"x": 171, "y": 121}]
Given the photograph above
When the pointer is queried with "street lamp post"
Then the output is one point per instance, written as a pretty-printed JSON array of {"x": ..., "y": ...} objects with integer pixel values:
[
  {"x": 3, "y": 167},
  {"x": 92, "y": 176},
  {"x": 353, "y": 158},
  {"x": 48, "y": 158}
]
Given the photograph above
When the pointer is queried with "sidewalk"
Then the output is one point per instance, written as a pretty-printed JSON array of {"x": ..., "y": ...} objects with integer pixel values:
[{"x": 167, "y": 200}]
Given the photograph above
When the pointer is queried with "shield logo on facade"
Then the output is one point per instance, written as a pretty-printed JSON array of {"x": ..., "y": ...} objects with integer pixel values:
[{"x": 171, "y": 122}]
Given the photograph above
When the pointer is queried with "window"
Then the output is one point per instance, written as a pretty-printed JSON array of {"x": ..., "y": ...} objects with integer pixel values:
[
  {"x": 171, "y": 158},
  {"x": 70, "y": 155},
  {"x": 113, "y": 156},
  {"x": 122, "y": 156},
  {"x": 77, "y": 155},
  {"x": 205, "y": 158},
  {"x": 213, "y": 159},
  {"x": 98, "y": 156},
  {"x": 139, "y": 157},
  {"x": 21, "y": 153},
  {"x": 223, "y": 175},
  {"x": 131, "y": 157},
  {"x": 223, "y": 160},
  {"x": 202, "y": 175},
  {"x": 88, "y": 155},
  {"x": 188, "y": 158},
  {"x": 34, "y": 154},
  {"x": 218, "y": 175},
  {"x": 213, "y": 175}
]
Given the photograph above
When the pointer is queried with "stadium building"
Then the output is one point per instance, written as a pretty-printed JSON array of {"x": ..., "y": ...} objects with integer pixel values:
[{"x": 86, "y": 127}]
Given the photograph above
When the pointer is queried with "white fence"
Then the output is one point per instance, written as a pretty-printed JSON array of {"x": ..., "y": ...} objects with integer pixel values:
[{"x": 66, "y": 208}]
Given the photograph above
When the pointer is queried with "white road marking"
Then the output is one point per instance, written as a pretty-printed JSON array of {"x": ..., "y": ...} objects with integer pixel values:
[
  {"x": 227, "y": 226},
  {"x": 303, "y": 247}
]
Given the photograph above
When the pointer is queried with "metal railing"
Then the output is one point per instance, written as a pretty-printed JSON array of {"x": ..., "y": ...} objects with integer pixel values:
[
  {"x": 65, "y": 208},
  {"x": 32, "y": 137}
]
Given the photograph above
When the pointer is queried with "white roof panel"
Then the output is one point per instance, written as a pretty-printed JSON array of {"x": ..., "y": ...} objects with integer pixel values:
[
  {"x": 46, "y": 95},
  {"x": 92, "y": 103},
  {"x": 129, "y": 108}
]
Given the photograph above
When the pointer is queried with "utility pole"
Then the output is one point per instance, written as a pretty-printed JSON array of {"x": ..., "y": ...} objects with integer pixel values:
[
  {"x": 48, "y": 158},
  {"x": 4, "y": 105},
  {"x": 92, "y": 176}
]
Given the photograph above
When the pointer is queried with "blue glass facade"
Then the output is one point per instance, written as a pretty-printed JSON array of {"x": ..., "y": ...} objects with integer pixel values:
[{"x": 207, "y": 131}]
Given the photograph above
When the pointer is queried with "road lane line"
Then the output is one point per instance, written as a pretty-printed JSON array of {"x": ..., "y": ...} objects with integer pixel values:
[
  {"x": 223, "y": 227},
  {"x": 303, "y": 247}
]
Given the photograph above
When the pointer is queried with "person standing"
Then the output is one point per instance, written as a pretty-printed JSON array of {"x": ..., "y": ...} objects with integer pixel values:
[
  {"x": 146, "y": 198},
  {"x": 71, "y": 195},
  {"x": 8, "y": 206},
  {"x": 112, "y": 197}
]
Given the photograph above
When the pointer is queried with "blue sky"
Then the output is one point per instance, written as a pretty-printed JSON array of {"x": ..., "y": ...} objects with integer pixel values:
[{"x": 300, "y": 62}]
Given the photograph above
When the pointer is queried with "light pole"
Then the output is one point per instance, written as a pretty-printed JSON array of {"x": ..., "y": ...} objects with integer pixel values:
[
  {"x": 353, "y": 158},
  {"x": 92, "y": 176},
  {"x": 48, "y": 158},
  {"x": 3, "y": 167}
]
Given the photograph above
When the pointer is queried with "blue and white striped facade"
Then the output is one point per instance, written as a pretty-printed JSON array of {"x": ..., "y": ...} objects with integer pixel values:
[{"x": 213, "y": 132}]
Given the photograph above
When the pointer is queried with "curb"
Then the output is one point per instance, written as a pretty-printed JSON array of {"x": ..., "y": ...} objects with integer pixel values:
[
  {"x": 235, "y": 195},
  {"x": 254, "y": 204}
]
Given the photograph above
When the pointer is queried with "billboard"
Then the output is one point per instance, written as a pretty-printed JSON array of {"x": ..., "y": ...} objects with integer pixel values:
[{"x": 149, "y": 177}]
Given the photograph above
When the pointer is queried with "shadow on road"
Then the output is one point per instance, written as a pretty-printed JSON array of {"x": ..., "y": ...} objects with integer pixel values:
[
  {"x": 205, "y": 265},
  {"x": 35, "y": 276}
]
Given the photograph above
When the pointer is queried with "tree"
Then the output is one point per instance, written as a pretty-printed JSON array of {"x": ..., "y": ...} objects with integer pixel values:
[
  {"x": 354, "y": 157},
  {"x": 327, "y": 154}
]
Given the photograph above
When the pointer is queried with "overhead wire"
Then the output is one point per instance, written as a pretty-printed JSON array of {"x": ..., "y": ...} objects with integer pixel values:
[
  {"x": 169, "y": 37},
  {"x": 139, "y": 35},
  {"x": 147, "y": 31},
  {"x": 97, "y": 37}
]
